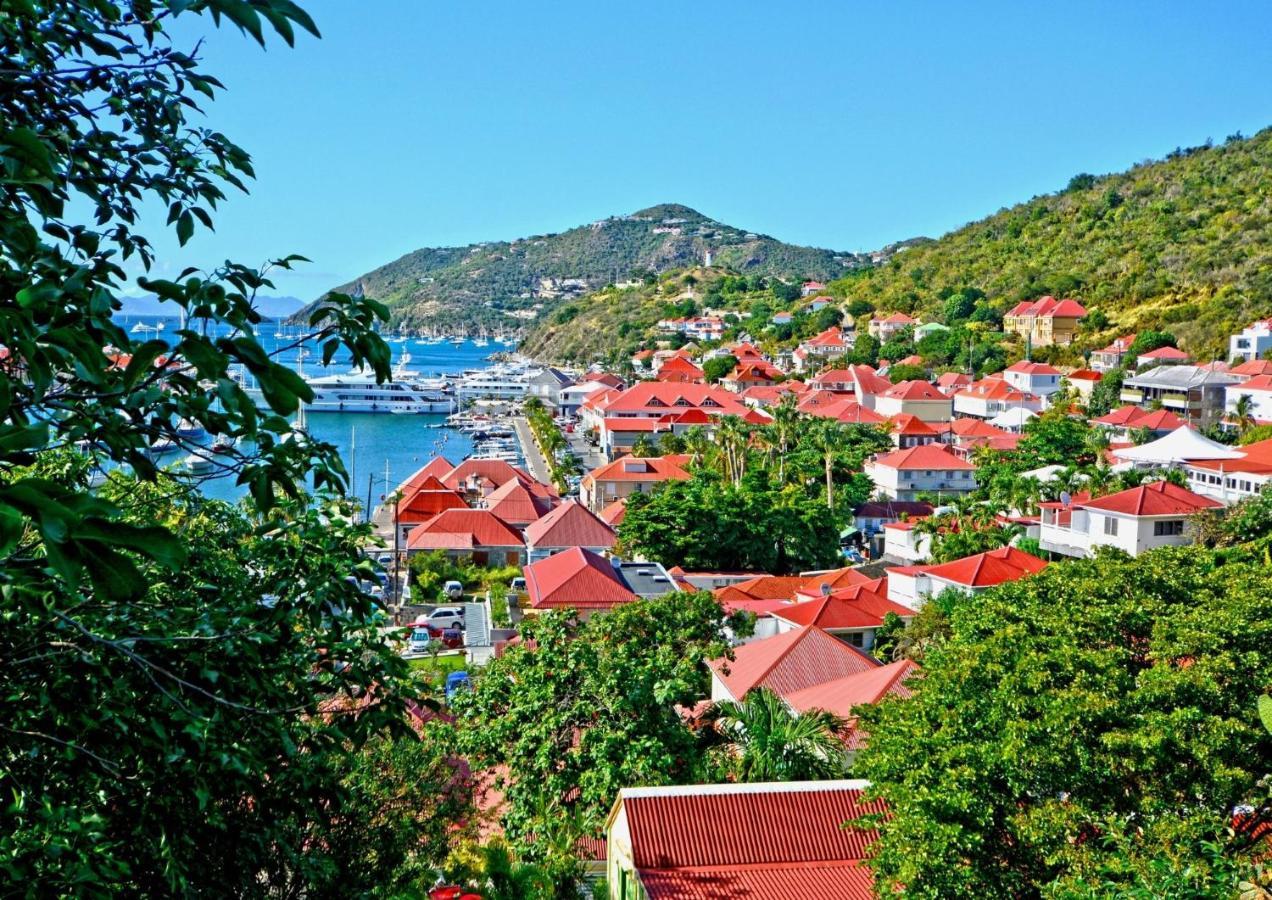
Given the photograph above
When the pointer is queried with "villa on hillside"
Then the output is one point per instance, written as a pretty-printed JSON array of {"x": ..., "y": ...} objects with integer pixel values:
[
  {"x": 927, "y": 469},
  {"x": 1045, "y": 321},
  {"x": 1254, "y": 342},
  {"x": 1195, "y": 393},
  {"x": 1137, "y": 520},
  {"x": 1111, "y": 357}
]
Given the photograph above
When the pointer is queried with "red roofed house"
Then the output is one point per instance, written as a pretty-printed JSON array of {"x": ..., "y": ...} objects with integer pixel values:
[
  {"x": 612, "y": 514},
  {"x": 1045, "y": 321},
  {"x": 750, "y": 374},
  {"x": 851, "y": 614},
  {"x": 911, "y": 431},
  {"x": 963, "y": 430},
  {"x": 422, "y": 505},
  {"x": 516, "y": 504},
  {"x": 479, "y": 477},
  {"x": 914, "y": 398},
  {"x": 765, "y": 840},
  {"x": 991, "y": 397},
  {"x": 844, "y": 696},
  {"x": 821, "y": 349},
  {"x": 1251, "y": 368},
  {"x": 839, "y": 381},
  {"x": 950, "y": 383},
  {"x": 629, "y": 475},
  {"x": 475, "y": 533},
  {"x": 912, "y": 585},
  {"x": 575, "y": 578},
  {"x": 931, "y": 468},
  {"x": 848, "y": 411},
  {"x": 811, "y": 287},
  {"x": 1111, "y": 356},
  {"x": 680, "y": 370},
  {"x": 772, "y": 395},
  {"x": 435, "y": 469},
  {"x": 1083, "y": 381},
  {"x": 569, "y": 525},
  {"x": 903, "y": 543},
  {"x": 1163, "y": 356},
  {"x": 1138, "y": 520},
  {"x": 785, "y": 663},
  {"x": 1230, "y": 480},
  {"x": 1126, "y": 419},
  {"x": 1033, "y": 378},
  {"x": 887, "y": 327}
]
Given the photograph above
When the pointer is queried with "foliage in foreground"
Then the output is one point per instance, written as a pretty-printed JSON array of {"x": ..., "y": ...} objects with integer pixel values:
[{"x": 1089, "y": 726}]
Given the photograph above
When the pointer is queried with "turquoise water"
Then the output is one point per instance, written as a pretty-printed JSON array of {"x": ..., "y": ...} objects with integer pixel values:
[{"x": 377, "y": 450}]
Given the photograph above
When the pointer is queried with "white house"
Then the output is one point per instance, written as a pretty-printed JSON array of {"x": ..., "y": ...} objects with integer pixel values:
[
  {"x": 912, "y": 585},
  {"x": 991, "y": 397},
  {"x": 901, "y": 543},
  {"x": 1231, "y": 480},
  {"x": 1259, "y": 390},
  {"x": 929, "y": 468},
  {"x": 915, "y": 398},
  {"x": 1033, "y": 378},
  {"x": 1252, "y": 343},
  {"x": 1137, "y": 520}
]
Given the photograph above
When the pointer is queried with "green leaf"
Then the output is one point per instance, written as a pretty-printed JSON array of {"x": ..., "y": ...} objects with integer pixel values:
[{"x": 1265, "y": 712}]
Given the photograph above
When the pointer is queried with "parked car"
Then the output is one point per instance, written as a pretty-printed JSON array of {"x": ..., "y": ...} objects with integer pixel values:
[
  {"x": 456, "y": 682},
  {"x": 443, "y": 617},
  {"x": 453, "y": 589},
  {"x": 452, "y": 637},
  {"x": 385, "y": 559},
  {"x": 420, "y": 638}
]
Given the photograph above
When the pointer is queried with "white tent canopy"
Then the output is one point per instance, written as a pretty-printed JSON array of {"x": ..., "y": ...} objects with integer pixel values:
[
  {"x": 1179, "y": 446},
  {"x": 1013, "y": 419},
  {"x": 1045, "y": 473}
]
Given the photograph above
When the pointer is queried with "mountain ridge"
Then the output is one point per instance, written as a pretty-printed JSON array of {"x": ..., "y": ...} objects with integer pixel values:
[{"x": 506, "y": 284}]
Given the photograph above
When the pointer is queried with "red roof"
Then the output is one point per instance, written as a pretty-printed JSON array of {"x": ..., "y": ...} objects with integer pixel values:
[
  {"x": 915, "y": 390},
  {"x": 911, "y": 426},
  {"x": 435, "y": 469},
  {"x": 515, "y": 504},
  {"x": 1257, "y": 460},
  {"x": 833, "y": 376},
  {"x": 927, "y": 456},
  {"x": 1084, "y": 375},
  {"x": 1120, "y": 345},
  {"x": 987, "y": 569},
  {"x": 868, "y": 381},
  {"x": 993, "y": 388},
  {"x": 493, "y": 472},
  {"x": 840, "y": 696},
  {"x": 677, "y": 368},
  {"x": 569, "y": 525},
  {"x": 762, "y": 587},
  {"x": 647, "y": 468},
  {"x": 1161, "y": 498},
  {"x": 1253, "y": 367},
  {"x": 422, "y": 506},
  {"x": 773, "y": 393},
  {"x": 1165, "y": 353},
  {"x": 463, "y": 529},
  {"x": 969, "y": 427},
  {"x": 895, "y": 319},
  {"x": 854, "y": 607},
  {"x": 1134, "y": 417},
  {"x": 1047, "y": 307},
  {"x": 832, "y": 337},
  {"x": 614, "y": 513},
  {"x": 1257, "y": 383},
  {"x": 654, "y": 398},
  {"x": 789, "y": 662},
  {"x": 1026, "y": 367},
  {"x": 576, "y": 578},
  {"x": 764, "y": 840}
]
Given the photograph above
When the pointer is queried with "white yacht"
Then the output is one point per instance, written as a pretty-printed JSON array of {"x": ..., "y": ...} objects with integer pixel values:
[
  {"x": 359, "y": 392},
  {"x": 500, "y": 382}
]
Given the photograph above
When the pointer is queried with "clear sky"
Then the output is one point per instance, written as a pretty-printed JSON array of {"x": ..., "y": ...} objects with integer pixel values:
[{"x": 836, "y": 124}]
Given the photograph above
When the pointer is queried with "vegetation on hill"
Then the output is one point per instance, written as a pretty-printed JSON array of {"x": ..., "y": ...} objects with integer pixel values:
[
  {"x": 1183, "y": 243},
  {"x": 481, "y": 284}
]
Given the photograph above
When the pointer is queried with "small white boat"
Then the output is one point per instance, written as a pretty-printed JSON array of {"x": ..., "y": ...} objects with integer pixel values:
[{"x": 197, "y": 464}]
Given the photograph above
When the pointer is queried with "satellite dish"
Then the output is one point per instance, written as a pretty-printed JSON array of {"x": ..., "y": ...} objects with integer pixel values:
[{"x": 1065, "y": 498}]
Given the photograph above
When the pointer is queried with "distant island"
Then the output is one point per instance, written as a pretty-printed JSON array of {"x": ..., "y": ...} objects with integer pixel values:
[{"x": 270, "y": 307}]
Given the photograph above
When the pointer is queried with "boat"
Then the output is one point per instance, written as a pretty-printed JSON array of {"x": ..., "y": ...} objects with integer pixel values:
[
  {"x": 163, "y": 446},
  {"x": 358, "y": 391},
  {"x": 197, "y": 464},
  {"x": 222, "y": 445},
  {"x": 189, "y": 429}
]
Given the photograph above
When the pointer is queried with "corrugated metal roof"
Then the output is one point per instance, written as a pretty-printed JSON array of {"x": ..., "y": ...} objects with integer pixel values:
[
  {"x": 826, "y": 881},
  {"x": 789, "y": 662},
  {"x": 570, "y": 525}
]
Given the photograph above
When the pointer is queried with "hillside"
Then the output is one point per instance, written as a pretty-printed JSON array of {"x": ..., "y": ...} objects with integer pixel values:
[
  {"x": 1183, "y": 244},
  {"x": 507, "y": 283}
]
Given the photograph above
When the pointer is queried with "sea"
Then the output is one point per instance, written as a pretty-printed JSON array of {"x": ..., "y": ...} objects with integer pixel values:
[{"x": 379, "y": 450}]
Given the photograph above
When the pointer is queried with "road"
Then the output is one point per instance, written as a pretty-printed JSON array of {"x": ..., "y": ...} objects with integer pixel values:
[{"x": 535, "y": 462}]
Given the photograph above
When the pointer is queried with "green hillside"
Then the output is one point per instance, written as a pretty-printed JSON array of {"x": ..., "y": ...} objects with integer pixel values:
[
  {"x": 481, "y": 284},
  {"x": 1183, "y": 244}
]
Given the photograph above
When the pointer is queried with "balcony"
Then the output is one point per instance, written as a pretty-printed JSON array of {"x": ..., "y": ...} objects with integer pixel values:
[
  {"x": 1181, "y": 401},
  {"x": 1132, "y": 395}
]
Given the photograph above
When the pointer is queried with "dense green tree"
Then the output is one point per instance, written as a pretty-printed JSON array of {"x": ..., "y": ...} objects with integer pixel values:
[
  {"x": 1107, "y": 393},
  {"x": 716, "y": 368},
  {"x": 165, "y": 660},
  {"x": 865, "y": 350},
  {"x": 578, "y": 710},
  {"x": 898, "y": 374},
  {"x": 958, "y": 307},
  {"x": 1091, "y": 725},
  {"x": 1147, "y": 341},
  {"x": 766, "y": 741}
]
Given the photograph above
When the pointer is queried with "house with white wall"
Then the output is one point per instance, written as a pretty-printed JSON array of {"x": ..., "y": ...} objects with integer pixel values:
[
  {"x": 1033, "y": 378},
  {"x": 1254, "y": 341},
  {"x": 912, "y": 585},
  {"x": 1136, "y": 520},
  {"x": 930, "y": 468}
]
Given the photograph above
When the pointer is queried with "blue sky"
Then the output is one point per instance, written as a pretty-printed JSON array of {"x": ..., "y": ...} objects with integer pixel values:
[{"x": 835, "y": 124}]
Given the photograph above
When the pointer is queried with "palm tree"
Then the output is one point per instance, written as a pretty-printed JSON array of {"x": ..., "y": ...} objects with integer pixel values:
[
  {"x": 733, "y": 437},
  {"x": 782, "y": 431},
  {"x": 824, "y": 436},
  {"x": 1243, "y": 413},
  {"x": 768, "y": 742},
  {"x": 697, "y": 443}
]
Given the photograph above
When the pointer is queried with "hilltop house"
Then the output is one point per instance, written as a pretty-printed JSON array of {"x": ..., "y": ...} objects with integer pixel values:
[
  {"x": 914, "y": 398},
  {"x": 1045, "y": 321},
  {"x": 1137, "y": 520},
  {"x": 821, "y": 349},
  {"x": 1033, "y": 378},
  {"x": 887, "y": 327},
  {"x": 1254, "y": 342},
  {"x": 931, "y": 468},
  {"x": 993, "y": 396},
  {"x": 1232, "y": 480},
  {"x": 1111, "y": 356},
  {"x": 1162, "y": 356},
  {"x": 808, "y": 288}
]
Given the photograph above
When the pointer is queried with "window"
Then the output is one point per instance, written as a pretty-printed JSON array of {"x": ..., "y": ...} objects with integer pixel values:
[
  {"x": 1168, "y": 529},
  {"x": 856, "y": 638},
  {"x": 1110, "y": 526}
]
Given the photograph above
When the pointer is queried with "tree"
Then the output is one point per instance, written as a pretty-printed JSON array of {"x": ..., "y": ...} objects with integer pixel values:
[
  {"x": 1243, "y": 413},
  {"x": 165, "y": 659},
  {"x": 1087, "y": 725},
  {"x": 958, "y": 307},
  {"x": 716, "y": 368},
  {"x": 898, "y": 374},
  {"x": 643, "y": 447},
  {"x": 1107, "y": 393},
  {"x": 580, "y": 709},
  {"x": 766, "y": 741},
  {"x": 1148, "y": 341}
]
